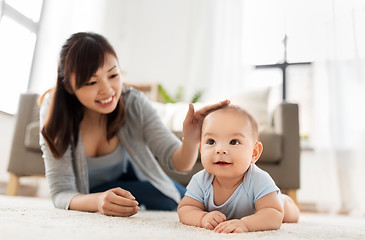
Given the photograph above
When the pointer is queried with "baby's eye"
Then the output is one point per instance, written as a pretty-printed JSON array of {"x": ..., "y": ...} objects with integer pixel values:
[
  {"x": 211, "y": 142},
  {"x": 234, "y": 142}
]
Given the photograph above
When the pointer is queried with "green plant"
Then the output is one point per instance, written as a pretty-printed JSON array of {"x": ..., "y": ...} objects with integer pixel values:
[
  {"x": 165, "y": 96},
  {"x": 197, "y": 96},
  {"x": 178, "y": 96}
]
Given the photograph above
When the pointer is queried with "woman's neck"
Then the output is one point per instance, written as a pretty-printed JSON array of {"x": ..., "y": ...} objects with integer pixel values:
[{"x": 93, "y": 118}]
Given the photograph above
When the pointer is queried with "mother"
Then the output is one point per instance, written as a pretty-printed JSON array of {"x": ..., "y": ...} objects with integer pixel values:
[{"x": 101, "y": 140}]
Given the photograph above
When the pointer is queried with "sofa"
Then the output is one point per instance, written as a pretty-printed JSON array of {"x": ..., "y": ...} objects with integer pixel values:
[{"x": 280, "y": 138}]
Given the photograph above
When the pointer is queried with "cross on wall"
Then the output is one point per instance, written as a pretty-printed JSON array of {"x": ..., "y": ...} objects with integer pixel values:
[{"x": 283, "y": 66}]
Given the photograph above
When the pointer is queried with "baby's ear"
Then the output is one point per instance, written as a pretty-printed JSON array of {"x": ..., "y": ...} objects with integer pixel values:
[{"x": 256, "y": 153}]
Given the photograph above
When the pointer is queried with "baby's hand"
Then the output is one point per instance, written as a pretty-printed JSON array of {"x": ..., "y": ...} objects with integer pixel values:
[
  {"x": 231, "y": 226},
  {"x": 212, "y": 219}
]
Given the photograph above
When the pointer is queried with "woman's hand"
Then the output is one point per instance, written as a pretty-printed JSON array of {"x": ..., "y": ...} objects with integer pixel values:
[
  {"x": 117, "y": 202},
  {"x": 194, "y": 119}
]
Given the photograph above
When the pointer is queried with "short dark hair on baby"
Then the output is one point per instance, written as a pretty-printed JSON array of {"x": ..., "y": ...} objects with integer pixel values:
[{"x": 244, "y": 113}]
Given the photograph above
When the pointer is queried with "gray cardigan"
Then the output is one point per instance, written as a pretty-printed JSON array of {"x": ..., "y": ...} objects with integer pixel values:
[{"x": 143, "y": 135}]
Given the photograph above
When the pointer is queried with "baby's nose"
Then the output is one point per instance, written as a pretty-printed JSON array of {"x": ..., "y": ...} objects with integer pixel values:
[{"x": 221, "y": 151}]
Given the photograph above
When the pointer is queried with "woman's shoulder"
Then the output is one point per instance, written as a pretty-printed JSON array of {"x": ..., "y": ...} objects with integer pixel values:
[
  {"x": 130, "y": 91},
  {"x": 132, "y": 95},
  {"x": 135, "y": 100}
]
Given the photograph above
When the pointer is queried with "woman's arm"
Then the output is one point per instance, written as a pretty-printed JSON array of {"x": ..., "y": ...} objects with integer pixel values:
[
  {"x": 165, "y": 146},
  {"x": 114, "y": 202},
  {"x": 59, "y": 172}
]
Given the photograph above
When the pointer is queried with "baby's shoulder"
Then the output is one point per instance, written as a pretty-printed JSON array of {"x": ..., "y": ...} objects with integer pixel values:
[
  {"x": 203, "y": 177},
  {"x": 258, "y": 173}
]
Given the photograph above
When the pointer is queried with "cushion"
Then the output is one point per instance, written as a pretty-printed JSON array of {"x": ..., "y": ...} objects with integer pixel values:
[{"x": 256, "y": 103}]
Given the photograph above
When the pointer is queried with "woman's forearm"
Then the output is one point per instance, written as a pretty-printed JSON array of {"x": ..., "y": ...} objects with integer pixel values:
[
  {"x": 85, "y": 202},
  {"x": 185, "y": 157}
]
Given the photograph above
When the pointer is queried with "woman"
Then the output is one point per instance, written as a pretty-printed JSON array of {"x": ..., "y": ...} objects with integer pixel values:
[{"x": 100, "y": 139}]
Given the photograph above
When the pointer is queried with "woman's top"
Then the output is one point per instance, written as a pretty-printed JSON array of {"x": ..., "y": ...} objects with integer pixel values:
[
  {"x": 110, "y": 167},
  {"x": 144, "y": 137}
]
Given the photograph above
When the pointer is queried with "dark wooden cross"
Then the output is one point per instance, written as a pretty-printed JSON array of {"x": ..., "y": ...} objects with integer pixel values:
[{"x": 283, "y": 66}]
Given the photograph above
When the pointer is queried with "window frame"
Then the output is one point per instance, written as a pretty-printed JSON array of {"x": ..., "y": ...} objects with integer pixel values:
[{"x": 15, "y": 15}]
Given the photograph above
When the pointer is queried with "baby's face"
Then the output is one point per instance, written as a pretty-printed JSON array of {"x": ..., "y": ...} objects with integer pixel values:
[{"x": 227, "y": 144}]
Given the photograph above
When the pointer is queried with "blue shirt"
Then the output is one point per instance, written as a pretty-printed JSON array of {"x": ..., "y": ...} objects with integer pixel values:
[{"x": 256, "y": 184}]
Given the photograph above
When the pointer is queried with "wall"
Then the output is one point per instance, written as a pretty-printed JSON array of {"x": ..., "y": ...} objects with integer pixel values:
[{"x": 151, "y": 39}]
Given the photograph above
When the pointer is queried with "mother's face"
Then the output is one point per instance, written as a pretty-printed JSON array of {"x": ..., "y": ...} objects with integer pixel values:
[{"x": 100, "y": 95}]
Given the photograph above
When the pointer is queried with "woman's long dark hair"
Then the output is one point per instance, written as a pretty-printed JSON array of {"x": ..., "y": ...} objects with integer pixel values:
[{"x": 82, "y": 54}]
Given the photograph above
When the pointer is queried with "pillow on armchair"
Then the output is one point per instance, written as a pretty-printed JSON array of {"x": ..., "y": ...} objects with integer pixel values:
[{"x": 255, "y": 102}]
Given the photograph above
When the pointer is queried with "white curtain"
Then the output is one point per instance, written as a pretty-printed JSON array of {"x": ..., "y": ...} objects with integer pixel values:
[
  {"x": 215, "y": 63},
  {"x": 339, "y": 92}
]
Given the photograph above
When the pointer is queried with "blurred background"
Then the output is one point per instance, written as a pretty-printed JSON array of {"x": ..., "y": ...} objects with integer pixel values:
[{"x": 305, "y": 51}]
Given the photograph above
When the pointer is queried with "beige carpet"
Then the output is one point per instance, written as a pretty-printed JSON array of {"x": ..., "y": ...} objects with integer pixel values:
[{"x": 36, "y": 218}]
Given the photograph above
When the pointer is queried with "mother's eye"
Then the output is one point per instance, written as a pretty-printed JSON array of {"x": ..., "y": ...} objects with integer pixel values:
[
  {"x": 90, "y": 83},
  {"x": 234, "y": 142},
  {"x": 114, "y": 75}
]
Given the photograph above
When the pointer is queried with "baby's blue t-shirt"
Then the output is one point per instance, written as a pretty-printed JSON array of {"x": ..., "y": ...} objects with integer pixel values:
[{"x": 256, "y": 184}]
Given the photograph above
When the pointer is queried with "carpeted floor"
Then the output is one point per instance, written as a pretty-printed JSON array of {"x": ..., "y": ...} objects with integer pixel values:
[{"x": 36, "y": 218}]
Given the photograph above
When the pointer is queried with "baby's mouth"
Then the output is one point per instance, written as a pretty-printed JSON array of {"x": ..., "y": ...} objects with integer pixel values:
[{"x": 223, "y": 163}]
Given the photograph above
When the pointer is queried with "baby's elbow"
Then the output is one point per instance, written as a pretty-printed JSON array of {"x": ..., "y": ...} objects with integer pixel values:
[
  {"x": 276, "y": 225},
  {"x": 277, "y": 220}
]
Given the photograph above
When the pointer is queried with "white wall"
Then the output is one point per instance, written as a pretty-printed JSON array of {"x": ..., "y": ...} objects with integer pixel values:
[{"x": 151, "y": 38}]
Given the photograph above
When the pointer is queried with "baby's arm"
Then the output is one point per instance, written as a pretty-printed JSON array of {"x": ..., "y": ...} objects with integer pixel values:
[
  {"x": 269, "y": 216},
  {"x": 192, "y": 212}
]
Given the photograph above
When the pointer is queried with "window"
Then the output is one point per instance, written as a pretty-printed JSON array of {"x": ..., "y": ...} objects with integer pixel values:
[
  {"x": 283, "y": 39},
  {"x": 18, "y": 35}
]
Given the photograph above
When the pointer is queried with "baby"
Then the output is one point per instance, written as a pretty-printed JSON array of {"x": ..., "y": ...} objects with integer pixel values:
[{"x": 231, "y": 194}]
